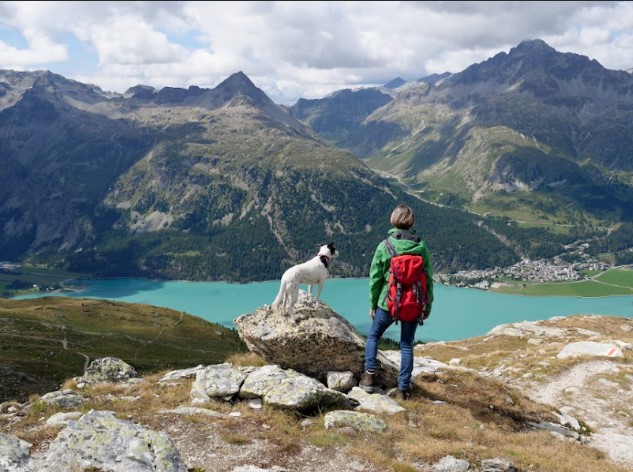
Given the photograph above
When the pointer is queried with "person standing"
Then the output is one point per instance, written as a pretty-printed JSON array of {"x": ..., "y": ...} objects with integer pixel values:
[{"x": 404, "y": 240}]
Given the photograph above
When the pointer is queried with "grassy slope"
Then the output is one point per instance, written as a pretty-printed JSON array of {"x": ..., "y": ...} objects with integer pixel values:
[{"x": 47, "y": 340}]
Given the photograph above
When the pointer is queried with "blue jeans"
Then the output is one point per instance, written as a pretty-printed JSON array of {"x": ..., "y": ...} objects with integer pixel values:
[{"x": 382, "y": 320}]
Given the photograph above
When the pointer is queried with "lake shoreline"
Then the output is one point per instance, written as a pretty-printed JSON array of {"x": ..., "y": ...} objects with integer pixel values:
[{"x": 458, "y": 313}]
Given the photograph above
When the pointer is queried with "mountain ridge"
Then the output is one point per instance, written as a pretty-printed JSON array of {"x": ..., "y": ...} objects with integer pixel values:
[
  {"x": 534, "y": 122},
  {"x": 169, "y": 183},
  {"x": 218, "y": 184}
]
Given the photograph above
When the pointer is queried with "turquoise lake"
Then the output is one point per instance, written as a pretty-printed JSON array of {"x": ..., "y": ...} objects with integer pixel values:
[{"x": 458, "y": 313}]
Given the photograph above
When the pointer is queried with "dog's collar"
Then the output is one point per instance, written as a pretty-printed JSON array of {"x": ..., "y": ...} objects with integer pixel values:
[{"x": 325, "y": 259}]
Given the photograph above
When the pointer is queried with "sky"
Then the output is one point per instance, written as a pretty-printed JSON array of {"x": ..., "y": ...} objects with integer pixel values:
[{"x": 295, "y": 50}]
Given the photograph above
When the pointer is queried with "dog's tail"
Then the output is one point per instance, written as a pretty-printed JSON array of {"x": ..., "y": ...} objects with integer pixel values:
[{"x": 279, "y": 299}]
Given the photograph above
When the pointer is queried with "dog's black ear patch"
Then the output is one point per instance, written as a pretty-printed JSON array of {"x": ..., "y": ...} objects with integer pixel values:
[{"x": 331, "y": 248}]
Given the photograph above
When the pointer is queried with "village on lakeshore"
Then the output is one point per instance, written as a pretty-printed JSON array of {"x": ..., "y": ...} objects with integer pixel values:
[
  {"x": 539, "y": 271},
  {"x": 578, "y": 266},
  {"x": 554, "y": 270}
]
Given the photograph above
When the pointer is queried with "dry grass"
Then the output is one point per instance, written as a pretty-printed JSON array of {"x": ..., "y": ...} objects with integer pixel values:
[
  {"x": 245, "y": 359},
  {"x": 456, "y": 412}
]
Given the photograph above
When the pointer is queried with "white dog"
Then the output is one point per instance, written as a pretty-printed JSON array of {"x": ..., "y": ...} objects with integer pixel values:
[{"x": 312, "y": 272}]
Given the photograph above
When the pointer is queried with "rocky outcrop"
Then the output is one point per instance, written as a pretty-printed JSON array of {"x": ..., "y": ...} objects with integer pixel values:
[
  {"x": 284, "y": 389},
  {"x": 100, "y": 441},
  {"x": 314, "y": 341}
]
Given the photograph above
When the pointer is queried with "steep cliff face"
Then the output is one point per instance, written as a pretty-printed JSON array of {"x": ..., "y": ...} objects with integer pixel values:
[{"x": 59, "y": 160}]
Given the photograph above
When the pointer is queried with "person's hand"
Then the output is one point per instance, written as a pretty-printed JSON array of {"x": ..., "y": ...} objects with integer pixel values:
[
  {"x": 427, "y": 312},
  {"x": 372, "y": 313}
]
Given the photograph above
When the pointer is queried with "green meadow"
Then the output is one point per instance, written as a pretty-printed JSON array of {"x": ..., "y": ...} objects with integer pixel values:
[
  {"x": 48, "y": 340},
  {"x": 616, "y": 281},
  {"x": 30, "y": 278}
]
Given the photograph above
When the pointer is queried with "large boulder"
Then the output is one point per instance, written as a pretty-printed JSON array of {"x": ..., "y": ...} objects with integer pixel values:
[
  {"x": 101, "y": 441},
  {"x": 313, "y": 341}
]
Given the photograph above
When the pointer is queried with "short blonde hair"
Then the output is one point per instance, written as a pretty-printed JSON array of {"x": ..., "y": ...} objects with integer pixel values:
[{"x": 402, "y": 217}]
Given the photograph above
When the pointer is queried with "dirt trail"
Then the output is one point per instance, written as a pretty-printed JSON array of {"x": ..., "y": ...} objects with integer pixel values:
[{"x": 584, "y": 393}]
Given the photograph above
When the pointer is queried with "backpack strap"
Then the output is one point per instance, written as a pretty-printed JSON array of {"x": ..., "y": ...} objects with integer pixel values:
[{"x": 390, "y": 248}]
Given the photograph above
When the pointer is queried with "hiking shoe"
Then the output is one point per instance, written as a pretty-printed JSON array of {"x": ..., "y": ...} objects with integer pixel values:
[
  {"x": 367, "y": 381},
  {"x": 398, "y": 394}
]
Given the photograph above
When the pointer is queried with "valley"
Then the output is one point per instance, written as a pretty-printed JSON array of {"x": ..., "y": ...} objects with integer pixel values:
[{"x": 515, "y": 159}]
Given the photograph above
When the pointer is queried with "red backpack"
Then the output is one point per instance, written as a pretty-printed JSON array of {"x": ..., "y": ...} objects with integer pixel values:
[{"x": 407, "y": 298}]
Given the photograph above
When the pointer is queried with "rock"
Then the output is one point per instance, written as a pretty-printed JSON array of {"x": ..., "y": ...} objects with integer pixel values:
[
  {"x": 180, "y": 374},
  {"x": 451, "y": 464},
  {"x": 62, "y": 419},
  {"x": 217, "y": 381},
  {"x": 63, "y": 399},
  {"x": 498, "y": 464},
  {"x": 527, "y": 328},
  {"x": 558, "y": 431},
  {"x": 107, "y": 369},
  {"x": 288, "y": 389},
  {"x": 14, "y": 454},
  {"x": 100, "y": 441},
  {"x": 375, "y": 402},
  {"x": 341, "y": 381},
  {"x": 421, "y": 364},
  {"x": 313, "y": 342},
  {"x": 361, "y": 422},
  {"x": 590, "y": 348}
]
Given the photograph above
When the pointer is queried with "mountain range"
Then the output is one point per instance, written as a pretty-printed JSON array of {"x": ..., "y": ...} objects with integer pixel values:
[
  {"x": 224, "y": 184},
  {"x": 544, "y": 131}
]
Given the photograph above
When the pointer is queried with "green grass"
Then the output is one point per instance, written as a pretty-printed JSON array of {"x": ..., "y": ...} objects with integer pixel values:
[
  {"x": 51, "y": 273},
  {"x": 619, "y": 277},
  {"x": 535, "y": 210},
  {"x": 616, "y": 281},
  {"x": 585, "y": 288},
  {"x": 48, "y": 340}
]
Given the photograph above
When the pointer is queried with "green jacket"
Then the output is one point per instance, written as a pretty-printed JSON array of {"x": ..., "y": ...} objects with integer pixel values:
[{"x": 379, "y": 270}]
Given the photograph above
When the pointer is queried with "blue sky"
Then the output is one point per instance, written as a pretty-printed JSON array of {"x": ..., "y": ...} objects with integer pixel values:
[{"x": 295, "y": 50}]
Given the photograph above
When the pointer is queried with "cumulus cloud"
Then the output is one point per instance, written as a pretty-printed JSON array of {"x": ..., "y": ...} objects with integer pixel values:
[{"x": 296, "y": 49}]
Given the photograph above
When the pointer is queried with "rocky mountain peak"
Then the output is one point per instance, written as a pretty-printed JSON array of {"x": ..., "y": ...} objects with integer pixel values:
[
  {"x": 239, "y": 84},
  {"x": 237, "y": 80},
  {"x": 395, "y": 83},
  {"x": 140, "y": 91},
  {"x": 533, "y": 46},
  {"x": 531, "y": 62}
]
